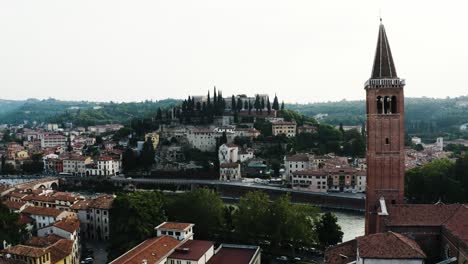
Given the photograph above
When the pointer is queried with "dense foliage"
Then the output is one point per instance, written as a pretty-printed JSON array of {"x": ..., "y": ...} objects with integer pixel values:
[
  {"x": 255, "y": 220},
  {"x": 328, "y": 231},
  {"x": 439, "y": 180},
  {"x": 10, "y": 230},
  {"x": 133, "y": 218},
  {"x": 425, "y": 117},
  {"x": 78, "y": 112}
]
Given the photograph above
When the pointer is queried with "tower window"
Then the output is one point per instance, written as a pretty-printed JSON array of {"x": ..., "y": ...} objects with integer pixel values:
[
  {"x": 379, "y": 105},
  {"x": 387, "y": 105},
  {"x": 387, "y": 141},
  {"x": 394, "y": 105}
]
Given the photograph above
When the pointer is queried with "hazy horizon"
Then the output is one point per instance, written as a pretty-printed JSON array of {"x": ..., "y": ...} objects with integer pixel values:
[{"x": 304, "y": 51}]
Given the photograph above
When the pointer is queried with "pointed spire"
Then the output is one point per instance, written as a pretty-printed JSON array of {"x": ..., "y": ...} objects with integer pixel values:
[{"x": 383, "y": 68}]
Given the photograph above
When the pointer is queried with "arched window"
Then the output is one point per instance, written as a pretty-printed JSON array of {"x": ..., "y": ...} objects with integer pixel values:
[
  {"x": 387, "y": 105},
  {"x": 394, "y": 105},
  {"x": 379, "y": 105}
]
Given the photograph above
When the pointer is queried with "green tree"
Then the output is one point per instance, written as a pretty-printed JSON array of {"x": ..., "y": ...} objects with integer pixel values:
[
  {"x": 10, "y": 230},
  {"x": 282, "y": 106},
  {"x": 328, "y": 231},
  {"x": 129, "y": 160},
  {"x": 133, "y": 219},
  {"x": 233, "y": 104},
  {"x": 251, "y": 217},
  {"x": 257, "y": 104},
  {"x": 268, "y": 106},
  {"x": 147, "y": 155},
  {"x": 203, "y": 207},
  {"x": 433, "y": 182},
  {"x": 275, "y": 103},
  {"x": 418, "y": 147}
]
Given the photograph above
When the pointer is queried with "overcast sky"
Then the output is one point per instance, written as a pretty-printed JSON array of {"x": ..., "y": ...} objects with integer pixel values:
[{"x": 305, "y": 51}]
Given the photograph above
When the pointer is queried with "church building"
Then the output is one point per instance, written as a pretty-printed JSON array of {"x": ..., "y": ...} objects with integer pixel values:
[{"x": 396, "y": 232}]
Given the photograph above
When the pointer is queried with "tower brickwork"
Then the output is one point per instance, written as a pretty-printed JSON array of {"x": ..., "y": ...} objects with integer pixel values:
[{"x": 385, "y": 134}]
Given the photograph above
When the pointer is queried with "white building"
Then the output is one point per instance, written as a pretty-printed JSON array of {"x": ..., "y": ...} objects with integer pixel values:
[
  {"x": 416, "y": 140},
  {"x": 94, "y": 216},
  {"x": 230, "y": 172},
  {"x": 246, "y": 154},
  {"x": 309, "y": 180},
  {"x": 75, "y": 164},
  {"x": 45, "y": 216},
  {"x": 179, "y": 231},
  {"x": 104, "y": 166},
  {"x": 68, "y": 228},
  {"x": 53, "y": 140},
  {"x": 228, "y": 153},
  {"x": 206, "y": 139},
  {"x": 298, "y": 162}
]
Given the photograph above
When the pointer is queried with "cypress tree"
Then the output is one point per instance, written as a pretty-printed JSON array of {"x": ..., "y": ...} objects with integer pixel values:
[
  {"x": 275, "y": 103},
  {"x": 268, "y": 106},
  {"x": 282, "y": 105},
  {"x": 239, "y": 104},
  {"x": 233, "y": 104}
]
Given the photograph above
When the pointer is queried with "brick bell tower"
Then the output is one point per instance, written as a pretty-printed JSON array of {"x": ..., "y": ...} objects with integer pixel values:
[{"x": 385, "y": 134}]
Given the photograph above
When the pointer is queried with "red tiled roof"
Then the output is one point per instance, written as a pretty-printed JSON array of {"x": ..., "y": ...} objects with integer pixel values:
[
  {"x": 229, "y": 165},
  {"x": 419, "y": 214},
  {"x": 298, "y": 157},
  {"x": 42, "y": 211},
  {"x": 458, "y": 224},
  {"x": 102, "y": 202},
  {"x": 24, "y": 219},
  {"x": 14, "y": 205},
  {"x": 192, "y": 250},
  {"x": 152, "y": 250},
  {"x": 80, "y": 205},
  {"x": 69, "y": 224},
  {"x": 227, "y": 255},
  {"x": 388, "y": 245},
  {"x": 342, "y": 253},
  {"x": 60, "y": 250},
  {"x": 175, "y": 225},
  {"x": 28, "y": 251}
]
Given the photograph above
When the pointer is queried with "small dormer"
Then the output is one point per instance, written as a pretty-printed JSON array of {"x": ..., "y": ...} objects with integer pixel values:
[{"x": 179, "y": 231}]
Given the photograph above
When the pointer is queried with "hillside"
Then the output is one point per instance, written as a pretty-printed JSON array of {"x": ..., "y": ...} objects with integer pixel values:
[
  {"x": 77, "y": 112},
  {"x": 426, "y": 116}
]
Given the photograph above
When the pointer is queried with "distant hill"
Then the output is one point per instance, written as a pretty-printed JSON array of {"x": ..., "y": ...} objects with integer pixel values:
[
  {"x": 423, "y": 115},
  {"x": 77, "y": 112}
]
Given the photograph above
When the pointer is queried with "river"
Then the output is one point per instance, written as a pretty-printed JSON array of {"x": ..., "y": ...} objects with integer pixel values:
[{"x": 352, "y": 224}]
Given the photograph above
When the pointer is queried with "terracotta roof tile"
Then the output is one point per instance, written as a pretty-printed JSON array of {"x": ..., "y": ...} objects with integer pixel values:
[
  {"x": 152, "y": 250},
  {"x": 42, "y": 211},
  {"x": 28, "y": 251},
  {"x": 388, "y": 245},
  {"x": 342, "y": 253},
  {"x": 24, "y": 219},
  {"x": 458, "y": 224},
  {"x": 175, "y": 225},
  {"x": 68, "y": 224},
  {"x": 60, "y": 250},
  {"x": 298, "y": 157},
  {"x": 192, "y": 250},
  {"x": 420, "y": 214},
  {"x": 230, "y": 255},
  {"x": 14, "y": 205},
  {"x": 229, "y": 165}
]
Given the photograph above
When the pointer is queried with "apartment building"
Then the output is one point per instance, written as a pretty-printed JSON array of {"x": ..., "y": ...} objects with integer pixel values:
[{"x": 284, "y": 127}]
